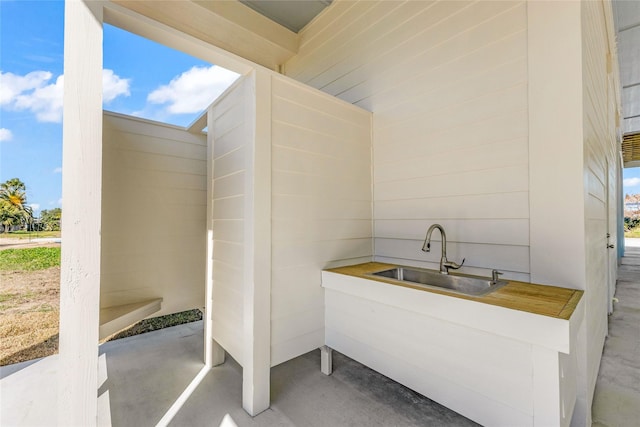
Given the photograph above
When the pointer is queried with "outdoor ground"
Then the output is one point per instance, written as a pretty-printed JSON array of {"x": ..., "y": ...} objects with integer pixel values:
[
  {"x": 30, "y": 301},
  {"x": 29, "y": 314}
]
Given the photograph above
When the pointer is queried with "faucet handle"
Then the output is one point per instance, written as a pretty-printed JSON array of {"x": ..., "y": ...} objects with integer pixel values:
[
  {"x": 494, "y": 275},
  {"x": 455, "y": 266}
]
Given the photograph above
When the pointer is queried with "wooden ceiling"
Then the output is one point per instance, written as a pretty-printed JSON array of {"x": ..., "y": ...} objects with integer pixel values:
[
  {"x": 291, "y": 14},
  {"x": 631, "y": 148}
]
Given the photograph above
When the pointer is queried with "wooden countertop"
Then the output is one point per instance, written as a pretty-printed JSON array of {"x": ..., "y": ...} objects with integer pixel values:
[{"x": 548, "y": 301}]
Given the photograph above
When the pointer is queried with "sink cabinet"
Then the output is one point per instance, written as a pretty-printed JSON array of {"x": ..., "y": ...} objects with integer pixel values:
[{"x": 492, "y": 364}]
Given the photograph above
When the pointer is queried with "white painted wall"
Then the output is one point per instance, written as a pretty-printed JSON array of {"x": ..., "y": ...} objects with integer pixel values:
[
  {"x": 557, "y": 168},
  {"x": 447, "y": 83},
  {"x": 232, "y": 130},
  {"x": 153, "y": 214},
  {"x": 239, "y": 124},
  {"x": 321, "y": 207},
  {"x": 571, "y": 155},
  {"x": 290, "y": 196},
  {"x": 491, "y": 118},
  {"x": 601, "y": 159}
]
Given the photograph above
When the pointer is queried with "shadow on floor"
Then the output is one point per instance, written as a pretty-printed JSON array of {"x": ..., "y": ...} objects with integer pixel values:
[{"x": 48, "y": 346}]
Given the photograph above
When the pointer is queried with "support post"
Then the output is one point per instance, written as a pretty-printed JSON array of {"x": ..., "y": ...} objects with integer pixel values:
[
  {"x": 81, "y": 223},
  {"x": 256, "y": 367},
  {"x": 326, "y": 360},
  {"x": 217, "y": 353}
]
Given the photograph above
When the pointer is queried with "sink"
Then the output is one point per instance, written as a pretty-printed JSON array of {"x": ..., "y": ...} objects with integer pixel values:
[{"x": 458, "y": 283}]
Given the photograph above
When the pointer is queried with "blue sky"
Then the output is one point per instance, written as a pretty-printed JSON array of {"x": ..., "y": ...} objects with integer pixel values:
[
  {"x": 140, "y": 78},
  {"x": 631, "y": 182}
]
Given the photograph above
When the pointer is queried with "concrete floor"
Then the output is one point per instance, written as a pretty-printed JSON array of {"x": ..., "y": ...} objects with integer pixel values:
[
  {"x": 616, "y": 402},
  {"x": 143, "y": 376},
  {"x": 353, "y": 395},
  {"x": 301, "y": 395}
]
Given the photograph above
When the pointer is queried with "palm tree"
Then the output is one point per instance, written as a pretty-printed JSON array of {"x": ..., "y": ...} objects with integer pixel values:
[
  {"x": 13, "y": 204},
  {"x": 9, "y": 216}
]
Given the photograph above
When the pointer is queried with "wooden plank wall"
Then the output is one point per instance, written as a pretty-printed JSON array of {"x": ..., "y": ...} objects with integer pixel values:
[
  {"x": 451, "y": 364},
  {"x": 447, "y": 83},
  {"x": 153, "y": 214},
  {"x": 600, "y": 160},
  {"x": 321, "y": 207},
  {"x": 232, "y": 131}
]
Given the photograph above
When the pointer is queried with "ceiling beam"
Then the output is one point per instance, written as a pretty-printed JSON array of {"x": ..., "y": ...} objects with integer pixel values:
[
  {"x": 229, "y": 25},
  {"x": 631, "y": 149}
]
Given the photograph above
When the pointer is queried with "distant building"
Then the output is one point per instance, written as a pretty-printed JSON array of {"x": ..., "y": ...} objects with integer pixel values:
[{"x": 632, "y": 206}]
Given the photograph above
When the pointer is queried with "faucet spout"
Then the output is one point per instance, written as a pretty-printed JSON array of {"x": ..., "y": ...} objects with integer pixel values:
[{"x": 445, "y": 264}]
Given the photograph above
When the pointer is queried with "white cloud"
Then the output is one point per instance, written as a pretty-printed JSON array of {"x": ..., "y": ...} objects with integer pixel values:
[
  {"x": 12, "y": 85},
  {"x": 631, "y": 182},
  {"x": 193, "y": 90},
  {"x": 35, "y": 206},
  {"x": 113, "y": 86},
  {"x": 5, "y": 134},
  {"x": 57, "y": 170},
  {"x": 35, "y": 93},
  {"x": 45, "y": 102}
]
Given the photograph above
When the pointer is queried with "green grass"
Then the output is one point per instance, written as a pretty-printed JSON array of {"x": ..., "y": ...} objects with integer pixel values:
[
  {"x": 635, "y": 233},
  {"x": 155, "y": 323},
  {"x": 29, "y": 234},
  {"x": 29, "y": 259}
]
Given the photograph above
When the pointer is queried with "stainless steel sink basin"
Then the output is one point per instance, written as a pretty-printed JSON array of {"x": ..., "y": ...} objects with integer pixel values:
[{"x": 458, "y": 283}]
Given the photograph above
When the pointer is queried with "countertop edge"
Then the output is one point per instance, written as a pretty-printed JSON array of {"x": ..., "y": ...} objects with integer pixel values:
[{"x": 500, "y": 299}]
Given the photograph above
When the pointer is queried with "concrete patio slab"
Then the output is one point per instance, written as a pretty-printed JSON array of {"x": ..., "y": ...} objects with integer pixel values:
[
  {"x": 143, "y": 376},
  {"x": 616, "y": 402}
]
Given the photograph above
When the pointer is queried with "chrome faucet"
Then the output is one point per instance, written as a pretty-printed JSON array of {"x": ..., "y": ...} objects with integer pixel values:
[{"x": 445, "y": 264}]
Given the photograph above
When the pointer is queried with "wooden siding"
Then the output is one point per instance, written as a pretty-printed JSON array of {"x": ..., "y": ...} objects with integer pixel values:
[
  {"x": 153, "y": 214},
  {"x": 457, "y": 368},
  {"x": 321, "y": 207},
  {"x": 600, "y": 164},
  {"x": 447, "y": 83},
  {"x": 232, "y": 133},
  {"x": 319, "y": 165}
]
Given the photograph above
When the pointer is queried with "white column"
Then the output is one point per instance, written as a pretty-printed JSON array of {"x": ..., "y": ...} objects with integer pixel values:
[
  {"x": 556, "y": 154},
  {"x": 81, "y": 222},
  {"x": 556, "y": 159},
  {"x": 326, "y": 360},
  {"x": 257, "y": 288}
]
